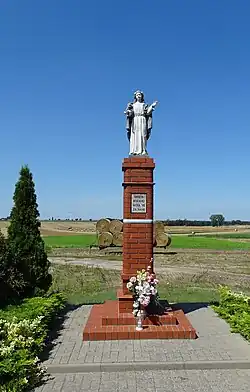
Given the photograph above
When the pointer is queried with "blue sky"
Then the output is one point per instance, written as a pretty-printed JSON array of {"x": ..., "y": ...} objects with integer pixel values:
[{"x": 67, "y": 71}]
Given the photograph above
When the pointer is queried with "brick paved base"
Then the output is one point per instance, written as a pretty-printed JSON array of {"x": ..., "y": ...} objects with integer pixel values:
[{"x": 107, "y": 323}]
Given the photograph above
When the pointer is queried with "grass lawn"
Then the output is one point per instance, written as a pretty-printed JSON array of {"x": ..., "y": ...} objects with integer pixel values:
[
  {"x": 71, "y": 241},
  {"x": 228, "y": 235},
  {"x": 184, "y": 242},
  {"x": 86, "y": 285},
  {"x": 82, "y": 284},
  {"x": 207, "y": 243}
]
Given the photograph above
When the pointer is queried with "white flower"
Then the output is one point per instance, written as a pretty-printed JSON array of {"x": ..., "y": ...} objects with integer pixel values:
[{"x": 153, "y": 291}]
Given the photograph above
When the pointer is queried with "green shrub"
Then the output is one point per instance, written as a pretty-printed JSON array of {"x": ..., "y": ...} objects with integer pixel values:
[
  {"x": 3, "y": 268},
  {"x": 23, "y": 330},
  {"x": 235, "y": 309},
  {"x": 11, "y": 280},
  {"x": 26, "y": 247}
]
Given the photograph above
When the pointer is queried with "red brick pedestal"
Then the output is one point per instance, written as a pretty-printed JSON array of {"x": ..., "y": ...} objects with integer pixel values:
[
  {"x": 114, "y": 319},
  {"x": 137, "y": 222}
]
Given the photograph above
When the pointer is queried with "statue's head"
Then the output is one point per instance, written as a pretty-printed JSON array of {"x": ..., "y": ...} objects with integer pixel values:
[{"x": 138, "y": 96}]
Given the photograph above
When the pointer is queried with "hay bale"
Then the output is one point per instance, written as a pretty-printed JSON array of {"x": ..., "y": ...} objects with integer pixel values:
[
  {"x": 163, "y": 240},
  {"x": 118, "y": 239},
  {"x": 159, "y": 227},
  {"x": 115, "y": 226},
  {"x": 105, "y": 239},
  {"x": 103, "y": 225}
]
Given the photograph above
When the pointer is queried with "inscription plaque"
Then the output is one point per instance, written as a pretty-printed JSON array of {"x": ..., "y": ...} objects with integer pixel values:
[{"x": 139, "y": 202}]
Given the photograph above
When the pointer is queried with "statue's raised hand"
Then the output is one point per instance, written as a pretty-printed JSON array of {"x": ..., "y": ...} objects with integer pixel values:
[{"x": 154, "y": 104}]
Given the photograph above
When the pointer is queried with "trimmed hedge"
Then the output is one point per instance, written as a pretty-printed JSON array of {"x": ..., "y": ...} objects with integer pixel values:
[
  {"x": 23, "y": 331},
  {"x": 235, "y": 309}
]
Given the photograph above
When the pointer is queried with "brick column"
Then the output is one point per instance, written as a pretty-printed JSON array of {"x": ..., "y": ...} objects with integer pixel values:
[{"x": 137, "y": 215}]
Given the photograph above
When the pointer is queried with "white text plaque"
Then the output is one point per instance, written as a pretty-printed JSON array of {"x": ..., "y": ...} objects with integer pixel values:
[{"x": 139, "y": 202}]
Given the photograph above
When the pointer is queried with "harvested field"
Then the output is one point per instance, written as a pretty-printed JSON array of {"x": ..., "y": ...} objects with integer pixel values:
[
  {"x": 49, "y": 228},
  {"x": 56, "y": 228}
]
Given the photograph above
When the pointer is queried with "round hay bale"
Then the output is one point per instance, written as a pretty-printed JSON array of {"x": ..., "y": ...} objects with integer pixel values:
[
  {"x": 105, "y": 239},
  {"x": 118, "y": 239},
  {"x": 102, "y": 225},
  {"x": 162, "y": 240},
  {"x": 159, "y": 227},
  {"x": 115, "y": 226}
]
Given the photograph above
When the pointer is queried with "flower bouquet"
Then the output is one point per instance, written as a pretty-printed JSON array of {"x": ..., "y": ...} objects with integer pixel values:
[{"x": 143, "y": 288}]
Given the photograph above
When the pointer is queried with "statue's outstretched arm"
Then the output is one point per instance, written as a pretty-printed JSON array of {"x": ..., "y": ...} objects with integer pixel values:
[{"x": 152, "y": 107}]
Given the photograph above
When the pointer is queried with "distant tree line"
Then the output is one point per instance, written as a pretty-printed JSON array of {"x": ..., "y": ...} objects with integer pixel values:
[
  {"x": 187, "y": 222},
  {"x": 215, "y": 220}
]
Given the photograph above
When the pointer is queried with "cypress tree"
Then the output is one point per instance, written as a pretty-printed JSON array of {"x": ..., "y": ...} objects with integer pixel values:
[
  {"x": 11, "y": 280},
  {"x": 25, "y": 245},
  {"x": 3, "y": 267}
]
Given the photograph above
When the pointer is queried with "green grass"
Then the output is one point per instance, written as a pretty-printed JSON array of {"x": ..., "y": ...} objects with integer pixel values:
[
  {"x": 71, "y": 241},
  {"x": 228, "y": 235},
  {"x": 86, "y": 285},
  {"x": 82, "y": 284},
  {"x": 207, "y": 243},
  {"x": 188, "y": 293},
  {"x": 184, "y": 242}
]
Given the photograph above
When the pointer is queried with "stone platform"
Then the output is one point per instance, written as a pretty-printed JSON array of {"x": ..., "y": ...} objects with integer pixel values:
[{"x": 105, "y": 322}]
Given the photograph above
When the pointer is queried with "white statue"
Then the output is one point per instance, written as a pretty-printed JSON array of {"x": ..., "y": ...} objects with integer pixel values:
[{"x": 139, "y": 123}]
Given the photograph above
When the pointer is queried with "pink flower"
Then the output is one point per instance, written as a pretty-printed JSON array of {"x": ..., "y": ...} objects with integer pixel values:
[
  {"x": 156, "y": 281},
  {"x": 146, "y": 301},
  {"x": 132, "y": 279}
]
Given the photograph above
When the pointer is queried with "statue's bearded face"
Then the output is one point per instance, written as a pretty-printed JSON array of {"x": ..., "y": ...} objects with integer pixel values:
[{"x": 138, "y": 97}]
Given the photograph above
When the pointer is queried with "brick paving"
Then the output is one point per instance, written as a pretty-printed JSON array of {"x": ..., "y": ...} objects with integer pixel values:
[
  {"x": 215, "y": 343},
  {"x": 151, "y": 381}
]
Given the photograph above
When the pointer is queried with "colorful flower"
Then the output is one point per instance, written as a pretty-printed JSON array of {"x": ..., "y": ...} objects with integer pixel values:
[{"x": 143, "y": 288}]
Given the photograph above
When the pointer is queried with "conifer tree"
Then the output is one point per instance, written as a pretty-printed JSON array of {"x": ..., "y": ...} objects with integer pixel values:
[
  {"x": 25, "y": 245},
  {"x": 3, "y": 267},
  {"x": 11, "y": 280}
]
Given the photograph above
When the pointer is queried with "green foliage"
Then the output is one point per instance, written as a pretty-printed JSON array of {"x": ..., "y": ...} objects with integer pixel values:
[
  {"x": 235, "y": 309},
  {"x": 23, "y": 330},
  {"x": 3, "y": 267},
  {"x": 11, "y": 280},
  {"x": 26, "y": 247},
  {"x": 217, "y": 220}
]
